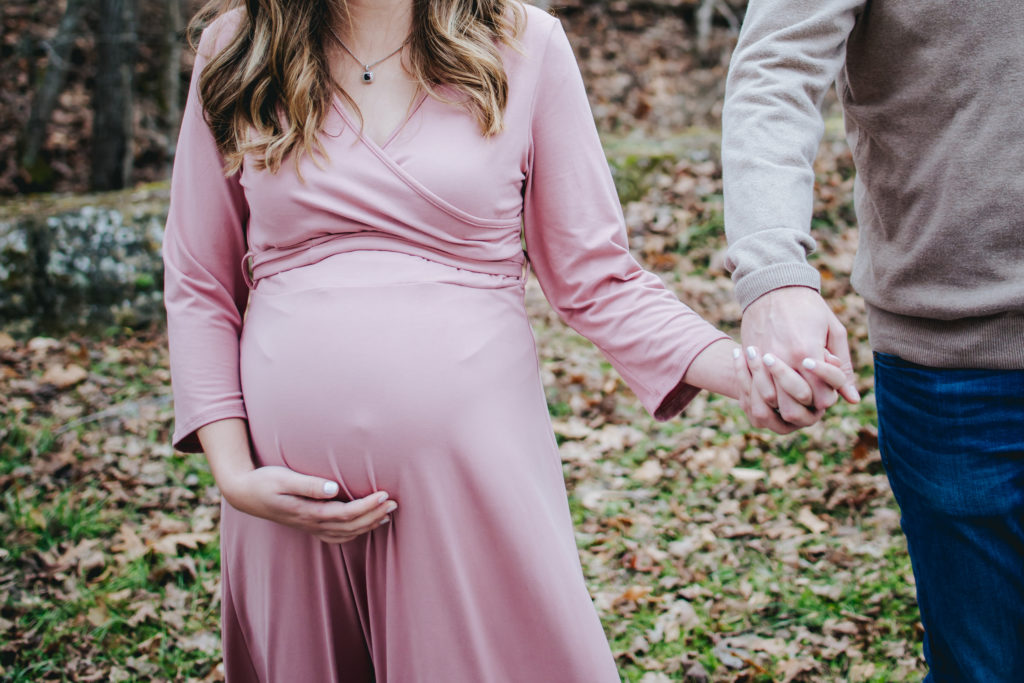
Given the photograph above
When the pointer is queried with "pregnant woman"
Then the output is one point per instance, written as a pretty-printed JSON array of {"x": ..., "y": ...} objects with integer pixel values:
[{"x": 349, "y": 345}]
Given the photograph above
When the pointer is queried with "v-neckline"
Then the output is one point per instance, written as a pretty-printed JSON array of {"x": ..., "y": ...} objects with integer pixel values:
[{"x": 349, "y": 119}]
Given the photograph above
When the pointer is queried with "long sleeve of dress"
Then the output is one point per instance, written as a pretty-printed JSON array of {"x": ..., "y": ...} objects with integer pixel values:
[
  {"x": 204, "y": 291},
  {"x": 576, "y": 243},
  {"x": 787, "y": 57}
]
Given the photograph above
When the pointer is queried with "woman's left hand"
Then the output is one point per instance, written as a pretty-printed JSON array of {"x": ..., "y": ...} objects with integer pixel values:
[{"x": 762, "y": 376}]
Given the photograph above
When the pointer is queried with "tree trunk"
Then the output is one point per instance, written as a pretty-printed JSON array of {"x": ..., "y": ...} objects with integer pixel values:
[
  {"x": 112, "y": 96},
  {"x": 49, "y": 90},
  {"x": 172, "y": 74}
]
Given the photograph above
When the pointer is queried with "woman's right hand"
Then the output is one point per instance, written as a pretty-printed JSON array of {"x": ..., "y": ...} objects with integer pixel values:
[
  {"x": 285, "y": 496},
  {"x": 305, "y": 502}
]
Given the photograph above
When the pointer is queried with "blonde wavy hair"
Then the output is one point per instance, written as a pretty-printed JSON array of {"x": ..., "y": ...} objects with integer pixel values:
[{"x": 267, "y": 92}]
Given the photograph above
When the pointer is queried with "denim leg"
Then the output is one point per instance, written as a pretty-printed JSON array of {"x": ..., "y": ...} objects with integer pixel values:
[{"x": 952, "y": 442}]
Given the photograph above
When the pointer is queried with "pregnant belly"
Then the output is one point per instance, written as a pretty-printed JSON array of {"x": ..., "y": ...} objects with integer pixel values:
[{"x": 380, "y": 369}]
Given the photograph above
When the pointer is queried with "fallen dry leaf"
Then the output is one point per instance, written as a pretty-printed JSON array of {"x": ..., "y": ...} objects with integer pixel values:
[
  {"x": 64, "y": 377},
  {"x": 633, "y": 594},
  {"x": 168, "y": 545},
  {"x": 85, "y": 556},
  {"x": 650, "y": 472},
  {"x": 119, "y": 674},
  {"x": 573, "y": 428},
  {"x": 655, "y": 677},
  {"x": 143, "y": 611},
  {"x": 204, "y": 641},
  {"x": 813, "y": 523},
  {"x": 746, "y": 474},
  {"x": 130, "y": 546},
  {"x": 680, "y": 616},
  {"x": 791, "y": 668},
  {"x": 862, "y": 672},
  {"x": 98, "y": 616}
]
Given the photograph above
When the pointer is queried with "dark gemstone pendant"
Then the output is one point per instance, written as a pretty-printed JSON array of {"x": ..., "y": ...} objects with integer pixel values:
[{"x": 367, "y": 76}]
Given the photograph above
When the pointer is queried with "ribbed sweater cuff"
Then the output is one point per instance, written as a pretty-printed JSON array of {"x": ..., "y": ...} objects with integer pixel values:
[{"x": 764, "y": 280}]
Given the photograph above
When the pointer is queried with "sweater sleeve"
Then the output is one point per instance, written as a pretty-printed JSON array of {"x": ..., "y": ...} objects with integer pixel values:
[
  {"x": 788, "y": 55},
  {"x": 204, "y": 291},
  {"x": 576, "y": 243}
]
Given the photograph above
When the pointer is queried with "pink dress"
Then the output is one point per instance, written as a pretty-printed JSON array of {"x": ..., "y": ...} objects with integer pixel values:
[{"x": 381, "y": 340}]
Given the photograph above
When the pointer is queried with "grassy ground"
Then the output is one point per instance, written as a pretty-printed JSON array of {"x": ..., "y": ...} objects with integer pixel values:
[{"x": 713, "y": 552}]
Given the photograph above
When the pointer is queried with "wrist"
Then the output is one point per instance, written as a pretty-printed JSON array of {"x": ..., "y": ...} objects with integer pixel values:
[
  {"x": 712, "y": 369},
  {"x": 229, "y": 474},
  {"x": 766, "y": 298}
]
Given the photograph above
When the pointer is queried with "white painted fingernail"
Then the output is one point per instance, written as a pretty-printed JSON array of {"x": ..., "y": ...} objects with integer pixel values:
[
  {"x": 735, "y": 354},
  {"x": 809, "y": 363},
  {"x": 392, "y": 506},
  {"x": 751, "y": 353},
  {"x": 384, "y": 521},
  {"x": 330, "y": 488},
  {"x": 381, "y": 498},
  {"x": 768, "y": 359}
]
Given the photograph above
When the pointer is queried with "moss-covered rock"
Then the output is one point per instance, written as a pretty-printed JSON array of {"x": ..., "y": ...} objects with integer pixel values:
[{"x": 83, "y": 262}]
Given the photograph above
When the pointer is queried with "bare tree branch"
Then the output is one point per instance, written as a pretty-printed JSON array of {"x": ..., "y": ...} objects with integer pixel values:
[{"x": 59, "y": 51}]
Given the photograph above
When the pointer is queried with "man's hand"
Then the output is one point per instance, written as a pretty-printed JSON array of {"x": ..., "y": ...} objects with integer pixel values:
[{"x": 796, "y": 325}]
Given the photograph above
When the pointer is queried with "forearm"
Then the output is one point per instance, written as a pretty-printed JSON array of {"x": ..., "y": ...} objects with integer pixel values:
[
  {"x": 787, "y": 57},
  {"x": 226, "y": 444}
]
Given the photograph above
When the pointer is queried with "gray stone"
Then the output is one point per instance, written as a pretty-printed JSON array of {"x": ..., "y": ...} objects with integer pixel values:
[{"x": 87, "y": 262}]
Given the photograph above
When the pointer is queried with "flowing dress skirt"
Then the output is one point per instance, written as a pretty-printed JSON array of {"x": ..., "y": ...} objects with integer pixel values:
[{"x": 386, "y": 371}]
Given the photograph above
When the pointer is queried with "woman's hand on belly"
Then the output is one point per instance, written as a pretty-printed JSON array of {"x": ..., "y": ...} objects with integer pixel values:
[
  {"x": 306, "y": 503},
  {"x": 285, "y": 496}
]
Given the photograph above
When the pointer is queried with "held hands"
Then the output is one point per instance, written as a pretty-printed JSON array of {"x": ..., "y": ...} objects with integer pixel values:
[
  {"x": 761, "y": 383},
  {"x": 765, "y": 381},
  {"x": 795, "y": 324}
]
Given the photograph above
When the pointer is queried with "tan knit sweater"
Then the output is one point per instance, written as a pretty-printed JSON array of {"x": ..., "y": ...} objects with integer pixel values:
[{"x": 933, "y": 97}]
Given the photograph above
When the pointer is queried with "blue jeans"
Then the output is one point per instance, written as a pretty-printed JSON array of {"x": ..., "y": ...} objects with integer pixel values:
[{"x": 952, "y": 442}]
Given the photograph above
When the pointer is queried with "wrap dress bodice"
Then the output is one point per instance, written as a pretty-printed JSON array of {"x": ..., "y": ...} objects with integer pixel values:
[{"x": 370, "y": 196}]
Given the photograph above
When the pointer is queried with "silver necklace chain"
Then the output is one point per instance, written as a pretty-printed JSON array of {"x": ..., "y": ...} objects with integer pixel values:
[{"x": 368, "y": 74}]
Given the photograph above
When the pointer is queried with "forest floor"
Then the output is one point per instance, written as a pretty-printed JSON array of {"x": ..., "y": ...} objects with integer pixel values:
[{"x": 714, "y": 552}]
